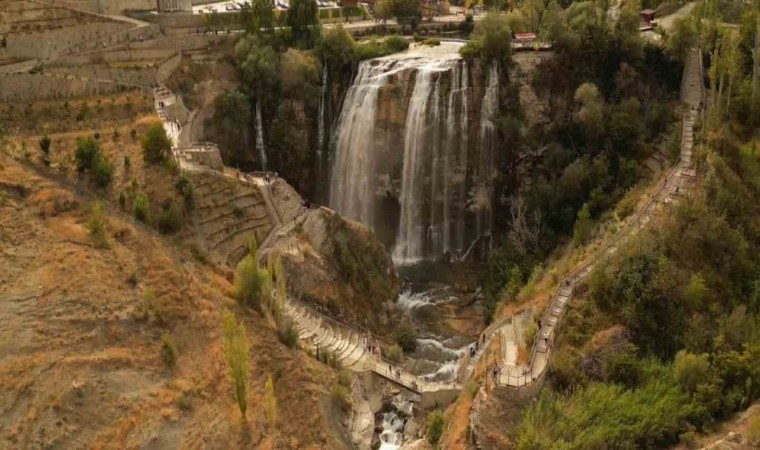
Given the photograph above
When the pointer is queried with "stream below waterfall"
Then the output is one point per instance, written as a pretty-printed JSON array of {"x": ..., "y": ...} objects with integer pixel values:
[{"x": 440, "y": 301}]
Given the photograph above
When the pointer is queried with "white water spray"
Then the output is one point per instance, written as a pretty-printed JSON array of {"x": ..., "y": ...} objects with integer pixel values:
[{"x": 260, "y": 137}]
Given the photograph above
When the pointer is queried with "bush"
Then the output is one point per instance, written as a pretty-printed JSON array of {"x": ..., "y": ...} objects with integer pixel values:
[
  {"x": 287, "y": 333},
  {"x": 691, "y": 370},
  {"x": 156, "y": 144},
  {"x": 344, "y": 378},
  {"x": 122, "y": 200},
  {"x": 431, "y": 42},
  {"x": 102, "y": 171},
  {"x": 97, "y": 223},
  {"x": 406, "y": 338},
  {"x": 394, "y": 353},
  {"x": 250, "y": 280},
  {"x": 85, "y": 154},
  {"x": 141, "y": 207},
  {"x": 185, "y": 187},
  {"x": 45, "y": 144},
  {"x": 168, "y": 350},
  {"x": 236, "y": 352},
  {"x": 171, "y": 218},
  {"x": 341, "y": 396},
  {"x": 396, "y": 43},
  {"x": 436, "y": 423}
]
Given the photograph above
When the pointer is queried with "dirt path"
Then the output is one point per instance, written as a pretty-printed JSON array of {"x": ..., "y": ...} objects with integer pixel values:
[{"x": 667, "y": 22}]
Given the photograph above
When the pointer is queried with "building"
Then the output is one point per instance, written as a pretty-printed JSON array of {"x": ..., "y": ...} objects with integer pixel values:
[
  {"x": 647, "y": 16},
  {"x": 168, "y": 6}
]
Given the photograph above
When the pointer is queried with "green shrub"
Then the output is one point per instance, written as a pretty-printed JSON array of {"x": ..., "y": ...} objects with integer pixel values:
[
  {"x": 85, "y": 154},
  {"x": 156, "y": 144},
  {"x": 395, "y": 353},
  {"x": 436, "y": 424},
  {"x": 396, "y": 43},
  {"x": 171, "y": 218},
  {"x": 431, "y": 42},
  {"x": 406, "y": 338},
  {"x": 691, "y": 370},
  {"x": 141, "y": 207},
  {"x": 102, "y": 171},
  {"x": 45, "y": 144},
  {"x": 122, "y": 200},
  {"x": 97, "y": 223},
  {"x": 341, "y": 396},
  {"x": 168, "y": 350},
  {"x": 236, "y": 350},
  {"x": 185, "y": 187},
  {"x": 250, "y": 280},
  {"x": 344, "y": 378},
  {"x": 287, "y": 333}
]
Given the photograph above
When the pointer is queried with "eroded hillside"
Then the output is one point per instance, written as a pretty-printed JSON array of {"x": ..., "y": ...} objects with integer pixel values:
[{"x": 80, "y": 339}]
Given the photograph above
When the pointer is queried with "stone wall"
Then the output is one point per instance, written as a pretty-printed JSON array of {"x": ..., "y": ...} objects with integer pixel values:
[
  {"x": 24, "y": 87},
  {"x": 75, "y": 39},
  {"x": 110, "y": 6},
  {"x": 141, "y": 76},
  {"x": 112, "y": 56},
  {"x": 168, "y": 67}
]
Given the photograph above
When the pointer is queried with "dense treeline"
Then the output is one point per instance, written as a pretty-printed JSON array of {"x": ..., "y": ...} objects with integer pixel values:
[
  {"x": 610, "y": 100},
  {"x": 686, "y": 295}
]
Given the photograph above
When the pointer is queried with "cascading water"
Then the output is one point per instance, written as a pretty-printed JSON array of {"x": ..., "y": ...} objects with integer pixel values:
[
  {"x": 483, "y": 197},
  {"x": 321, "y": 124},
  {"x": 432, "y": 193},
  {"x": 260, "y": 138},
  {"x": 352, "y": 177}
]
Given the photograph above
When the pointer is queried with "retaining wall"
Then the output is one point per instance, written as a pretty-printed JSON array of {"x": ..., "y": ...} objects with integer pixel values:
[{"x": 24, "y": 87}]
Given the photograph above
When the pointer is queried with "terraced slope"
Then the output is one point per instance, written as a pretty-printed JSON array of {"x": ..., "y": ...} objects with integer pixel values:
[{"x": 229, "y": 213}]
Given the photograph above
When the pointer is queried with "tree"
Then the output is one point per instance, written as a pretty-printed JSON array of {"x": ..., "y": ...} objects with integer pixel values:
[
  {"x": 591, "y": 112},
  {"x": 250, "y": 279},
  {"x": 171, "y": 218},
  {"x": 401, "y": 9},
  {"x": 262, "y": 16},
  {"x": 299, "y": 74},
  {"x": 156, "y": 144},
  {"x": 303, "y": 19},
  {"x": 85, "y": 154},
  {"x": 270, "y": 405},
  {"x": 494, "y": 37},
  {"x": 97, "y": 223},
  {"x": 691, "y": 370},
  {"x": 583, "y": 226},
  {"x": 259, "y": 66},
  {"x": 236, "y": 353},
  {"x": 436, "y": 423},
  {"x": 102, "y": 170},
  {"x": 141, "y": 208},
  {"x": 231, "y": 124},
  {"x": 336, "y": 48},
  {"x": 45, "y": 147},
  {"x": 682, "y": 38}
]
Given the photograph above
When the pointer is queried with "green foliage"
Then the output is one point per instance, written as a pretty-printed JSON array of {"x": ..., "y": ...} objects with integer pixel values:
[
  {"x": 491, "y": 40},
  {"x": 86, "y": 153},
  {"x": 230, "y": 124},
  {"x": 376, "y": 49},
  {"x": 690, "y": 370},
  {"x": 156, "y": 144},
  {"x": 236, "y": 352},
  {"x": 259, "y": 66},
  {"x": 401, "y": 9},
  {"x": 341, "y": 396},
  {"x": 336, "y": 48},
  {"x": 584, "y": 226},
  {"x": 682, "y": 38},
  {"x": 45, "y": 144},
  {"x": 431, "y": 42},
  {"x": 261, "y": 16},
  {"x": 406, "y": 338},
  {"x": 184, "y": 187},
  {"x": 361, "y": 262},
  {"x": 303, "y": 21},
  {"x": 102, "y": 171},
  {"x": 168, "y": 350},
  {"x": 251, "y": 280},
  {"x": 97, "y": 223},
  {"x": 122, "y": 200},
  {"x": 171, "y": 219},
  {"x": 394, "y": 353},
  {"x": 141, "y": 207},
  {"x": 436, "y": 424}
]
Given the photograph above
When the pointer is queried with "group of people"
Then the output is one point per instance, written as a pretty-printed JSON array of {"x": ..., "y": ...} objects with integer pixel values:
[{"x": 474, "y": 347}]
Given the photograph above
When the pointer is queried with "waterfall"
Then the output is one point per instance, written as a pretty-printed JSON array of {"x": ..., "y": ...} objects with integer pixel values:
[
  {"x": 352, "y": 176},
  {"x": 260, "y": 137},
  {"x": 483, "y": 197},
  {"x": 461, "y": 172},
  {"x": 409, "y": 241},
  {"x": 321, "y": 124}
]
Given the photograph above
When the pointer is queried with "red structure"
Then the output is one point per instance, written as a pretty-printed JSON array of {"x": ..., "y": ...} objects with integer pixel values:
[{"x": 647, "y": 16}]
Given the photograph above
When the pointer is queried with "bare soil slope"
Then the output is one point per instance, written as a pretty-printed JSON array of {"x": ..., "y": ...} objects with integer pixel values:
[{"x": 81, "y": 366}]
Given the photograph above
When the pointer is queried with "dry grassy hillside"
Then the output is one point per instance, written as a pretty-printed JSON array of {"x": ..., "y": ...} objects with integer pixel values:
[{"x": 81, "y": 365}]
